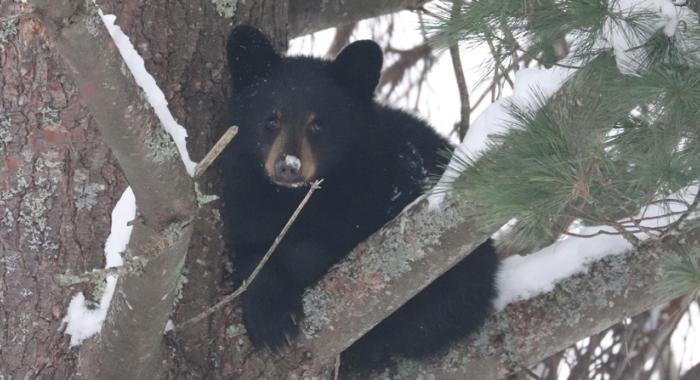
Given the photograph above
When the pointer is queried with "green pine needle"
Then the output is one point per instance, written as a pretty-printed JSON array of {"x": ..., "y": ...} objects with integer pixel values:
[{"x": 681, "y": 275}]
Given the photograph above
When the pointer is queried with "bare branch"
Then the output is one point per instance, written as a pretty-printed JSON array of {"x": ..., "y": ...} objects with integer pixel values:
[
  {"x": 307, "y": 16},
  {"x": 392, "y": 75},
  {"x": 342, "y": 37},
  {"x": 215, "y": 151},
  {"x": 465, "y": 109}
]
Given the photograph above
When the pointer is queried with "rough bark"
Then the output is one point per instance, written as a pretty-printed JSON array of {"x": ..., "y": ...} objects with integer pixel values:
[{"x": 58, "y": 184}]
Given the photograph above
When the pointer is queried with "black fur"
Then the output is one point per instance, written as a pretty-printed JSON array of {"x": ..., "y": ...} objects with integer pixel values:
[{"x": 374, "y": 161}]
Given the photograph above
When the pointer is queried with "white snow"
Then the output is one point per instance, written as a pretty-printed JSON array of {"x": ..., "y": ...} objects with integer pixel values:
[
  {"x": 293, "y": 161},
  {"x": 81, "y": 321},
  {"x": 523, "y": 277},
  {"x": 154, "y": 94},
  {"x": 625, "y": 41}
]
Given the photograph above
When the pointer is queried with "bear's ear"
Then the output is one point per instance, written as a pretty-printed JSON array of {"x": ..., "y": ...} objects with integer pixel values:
[
  {"x": 358, "y": 67},
  {"x": 250, "y": 55}
]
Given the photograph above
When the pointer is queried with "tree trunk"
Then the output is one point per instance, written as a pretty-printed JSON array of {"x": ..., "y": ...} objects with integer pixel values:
[{"x": 58, "y": 185}]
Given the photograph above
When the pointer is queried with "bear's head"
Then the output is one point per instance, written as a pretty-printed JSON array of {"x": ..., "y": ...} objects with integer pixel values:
[{"x": 300, "y": 118}]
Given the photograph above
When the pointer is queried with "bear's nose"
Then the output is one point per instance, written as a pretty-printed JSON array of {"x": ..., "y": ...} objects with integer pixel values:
[{"x": 288, "y": 170}]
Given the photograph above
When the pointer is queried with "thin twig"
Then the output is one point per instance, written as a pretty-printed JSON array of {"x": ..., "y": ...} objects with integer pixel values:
[
  {"x": 258, "y": 268},
  {"x": 529, "y": 372},
  {"x": 343, "y": 33},
  {"x": 336, "y": 370},
  {"x": 95, "y": 275},
  {"x": 499, "y": 63},
  {"x": 219, "y": 147},
  {"x": 600, "y": 232},
  {"x": 691, "y": 209},
  {"x": 465, "y": 109},
  {"x": 532, "y": 56}
]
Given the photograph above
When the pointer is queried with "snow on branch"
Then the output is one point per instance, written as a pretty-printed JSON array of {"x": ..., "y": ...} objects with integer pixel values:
[
  {"x": 129, "y": 124},
  {"x": 155, "y": 96},
  {"x": 528, "y": 331}
]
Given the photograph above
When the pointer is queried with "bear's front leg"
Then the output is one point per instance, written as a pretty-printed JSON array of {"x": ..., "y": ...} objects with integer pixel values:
[{"x": 271, "y": 307}]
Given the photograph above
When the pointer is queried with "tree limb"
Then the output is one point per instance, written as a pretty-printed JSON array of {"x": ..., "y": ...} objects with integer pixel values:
[
  {"x": 526, "y": 332},
  {"x": 308, "y": 16},
  {"x": 375, "y": 279}
]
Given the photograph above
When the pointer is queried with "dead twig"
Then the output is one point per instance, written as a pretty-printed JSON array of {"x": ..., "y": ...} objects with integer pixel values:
[
  {"x": 465, "y": 109},
  {"x": 215, "y": 151},
  {"x": 342, "y": 37},
  {"x": 393, "y": 74},
  {"x": 336, "y": 370},
  {"x": 258, "y": 268},
  {"x": 676, "y": 225},
  {"x": 97, "y": 275}
]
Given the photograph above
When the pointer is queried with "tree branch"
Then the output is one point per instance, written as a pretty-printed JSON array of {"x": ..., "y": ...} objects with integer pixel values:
[
  {"x": 465, "y": 110},
  {"x": 214, "y": 152},
  {"x": 308, "y": 16},
  {"x": 529, "y": 331},
  {"x": 376, "y": 278}
]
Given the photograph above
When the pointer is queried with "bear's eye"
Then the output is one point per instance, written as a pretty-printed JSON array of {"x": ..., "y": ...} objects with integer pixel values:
[
  {"x": 315, "y": 126},
  {"x": 272, "y": 123}
]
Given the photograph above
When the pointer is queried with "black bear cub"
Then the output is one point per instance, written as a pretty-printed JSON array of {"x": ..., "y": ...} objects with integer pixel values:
[{"x": 303, "y": 119}]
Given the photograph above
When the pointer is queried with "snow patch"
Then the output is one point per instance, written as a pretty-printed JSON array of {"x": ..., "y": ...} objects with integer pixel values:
[
  {"x": 625, "y": 41},
  {"x": 524, "y": 277},
  {"x": 82, "y": 321},
  {"x": 292, "y": 161},
  {"x": 531, "y": 87},
  {"x": 154, "y": 94}
]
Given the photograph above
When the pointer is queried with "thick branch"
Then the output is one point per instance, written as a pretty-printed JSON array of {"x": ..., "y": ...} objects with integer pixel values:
[
  {"x": 145, "y": 152},
  {"x": 130, "y": 344},
  {"x": 527, "y": 332},
  {"x": 375, "y": 279},
  {"x": 308, "y": 16}
]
